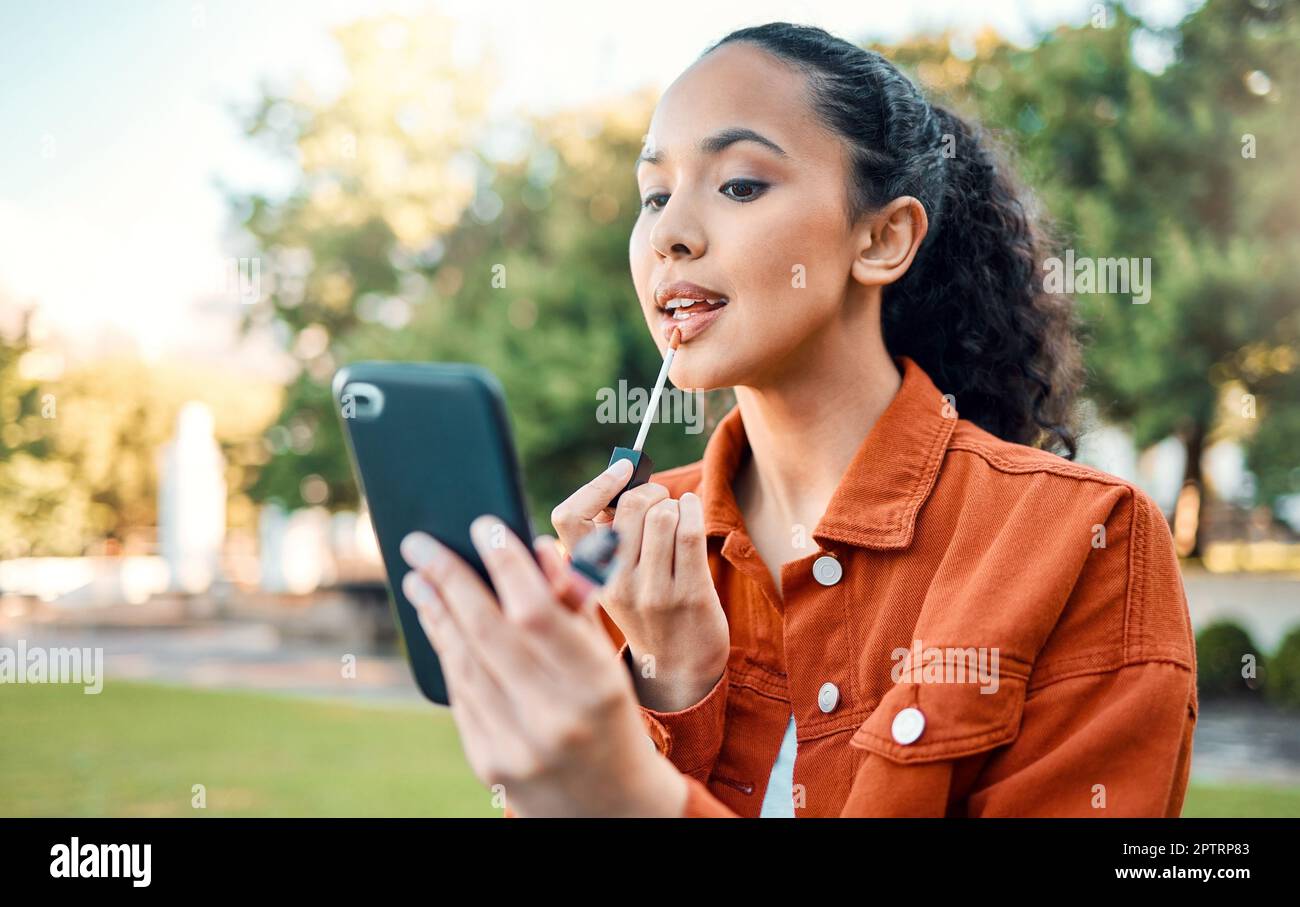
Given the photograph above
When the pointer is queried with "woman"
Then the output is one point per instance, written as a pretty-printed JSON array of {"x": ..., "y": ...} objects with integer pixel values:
[{"x": 876, "y": 566}]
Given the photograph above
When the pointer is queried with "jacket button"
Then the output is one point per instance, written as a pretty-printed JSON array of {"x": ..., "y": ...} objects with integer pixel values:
[
  {"x": 827, "y": 570},
  {"x": 908, "y": 725},
  {"x": 828, "y": 697}
]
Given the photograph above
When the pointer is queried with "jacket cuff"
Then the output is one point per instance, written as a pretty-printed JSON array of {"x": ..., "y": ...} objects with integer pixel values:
[{"x": 692, "y": 737}]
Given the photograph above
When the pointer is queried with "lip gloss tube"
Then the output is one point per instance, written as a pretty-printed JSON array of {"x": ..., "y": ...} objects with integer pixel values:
[
  {"x": 591, "y": 563},
  {"x": 595, "y": 555},
  {"x": 642, "y": 465}
]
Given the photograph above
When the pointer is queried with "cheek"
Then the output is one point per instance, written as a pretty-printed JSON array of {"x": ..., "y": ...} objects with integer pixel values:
[
  {"x": 641, "y": 262},
  {"x": 639, "y": 257},
  {"x": 788, "y": 269}
]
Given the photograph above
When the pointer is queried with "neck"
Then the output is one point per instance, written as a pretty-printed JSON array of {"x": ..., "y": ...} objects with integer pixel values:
[{"x": 805, "y": 427}]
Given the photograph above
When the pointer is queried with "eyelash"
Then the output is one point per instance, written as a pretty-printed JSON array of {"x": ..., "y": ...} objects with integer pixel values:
[{"x": 757, "y": 185}]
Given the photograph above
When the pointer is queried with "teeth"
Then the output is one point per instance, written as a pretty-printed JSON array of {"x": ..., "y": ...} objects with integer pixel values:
[
  {"x": 684, "y": 301},
  {"x": 683, "y": 316}
]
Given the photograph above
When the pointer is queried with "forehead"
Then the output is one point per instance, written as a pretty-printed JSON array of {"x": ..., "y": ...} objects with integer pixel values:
[{"x": 738, "y": 84}]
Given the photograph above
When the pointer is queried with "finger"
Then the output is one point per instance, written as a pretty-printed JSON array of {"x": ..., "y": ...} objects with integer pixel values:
[
  {"x": 691, "y": 554},
  {"x": 575, "y": 514},
  {"x": 463, "y": 678},
  {"x": 479, "y": 621},
  {"x": 575, "y": 591},
  {"x": 629, "y": 521},
  {"x": 522, "y": 587},
  {"x": 477, "y": 703},
  {"x": 541, "y": 624},
  {"x": 559, "y": 573},
  {"x": 554, "y": 564},
  {"x": 658, "y": 545}
]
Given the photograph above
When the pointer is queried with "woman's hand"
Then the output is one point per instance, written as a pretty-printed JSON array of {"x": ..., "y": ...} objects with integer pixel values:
[
  {"x": 662, "y": 596},
  {"x": 543, "y": 707},
  {"x": 588, "y": 507}
]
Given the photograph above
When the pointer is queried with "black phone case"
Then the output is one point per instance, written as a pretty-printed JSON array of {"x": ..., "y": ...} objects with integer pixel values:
[{"x": 436, "y": 455}]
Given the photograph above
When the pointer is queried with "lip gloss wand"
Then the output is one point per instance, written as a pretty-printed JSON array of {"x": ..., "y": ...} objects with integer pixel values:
[{"x": 642, "y": 465}]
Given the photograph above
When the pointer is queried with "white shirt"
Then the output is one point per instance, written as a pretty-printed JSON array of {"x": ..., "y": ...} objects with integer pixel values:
[{"x": 778, "y": 801}]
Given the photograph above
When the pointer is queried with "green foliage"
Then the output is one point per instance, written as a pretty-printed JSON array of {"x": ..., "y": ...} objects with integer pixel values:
[
  {"x": 79, "y": 451},
  {"x": 1272, "y": 451},
  {"x": 1132, "y": 163},
  {"x": 1220, "y": 652},
  {"x": 530, "y": 279},
  {"x": 1139, "y": 164},
  {"x": 1283, "y": 685},
  {"x": 40, "y": 504}
]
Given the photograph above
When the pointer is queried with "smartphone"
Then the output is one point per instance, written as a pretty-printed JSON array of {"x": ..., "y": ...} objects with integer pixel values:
[{"x": 431, "y": 449}]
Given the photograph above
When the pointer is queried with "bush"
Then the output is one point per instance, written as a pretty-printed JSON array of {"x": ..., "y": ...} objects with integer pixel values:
[
  {"x": 1220, "y": 650},
  {"x": 1284, "y": 672}
]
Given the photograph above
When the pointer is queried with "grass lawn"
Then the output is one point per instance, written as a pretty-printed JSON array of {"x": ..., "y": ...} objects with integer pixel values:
[{"x": 138, "y": 750}]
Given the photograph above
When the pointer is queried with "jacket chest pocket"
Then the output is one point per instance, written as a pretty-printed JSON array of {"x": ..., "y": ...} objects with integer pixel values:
[{"x": 915, "y": 737}]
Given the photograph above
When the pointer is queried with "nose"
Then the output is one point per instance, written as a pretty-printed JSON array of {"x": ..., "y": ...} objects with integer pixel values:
[{"x": 676, "y": 232}]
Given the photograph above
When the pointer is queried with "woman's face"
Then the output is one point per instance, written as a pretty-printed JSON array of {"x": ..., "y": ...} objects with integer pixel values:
[{"x": 762, "y": 226}]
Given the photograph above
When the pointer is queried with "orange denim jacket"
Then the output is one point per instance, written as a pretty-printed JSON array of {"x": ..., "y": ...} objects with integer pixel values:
[{"x": 944, "y": 545}]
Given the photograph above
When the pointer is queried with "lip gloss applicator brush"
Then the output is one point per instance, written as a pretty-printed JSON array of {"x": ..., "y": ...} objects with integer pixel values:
[{"x": 642, "y": 465}]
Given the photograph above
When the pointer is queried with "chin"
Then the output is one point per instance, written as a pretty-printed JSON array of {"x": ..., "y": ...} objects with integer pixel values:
[{"x": 701, "y": 370}]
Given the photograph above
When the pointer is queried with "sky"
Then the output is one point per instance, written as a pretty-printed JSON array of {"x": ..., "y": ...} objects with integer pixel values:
[{"x": 118, "y": 131}]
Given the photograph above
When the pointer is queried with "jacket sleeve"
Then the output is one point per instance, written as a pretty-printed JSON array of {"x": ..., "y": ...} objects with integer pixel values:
[
  {"x": 1113, "y": 742},
  {"x": 690, "y": 738},
  {"x": 1107, "y": 732},
  {"x": 1117, "y": 743}
]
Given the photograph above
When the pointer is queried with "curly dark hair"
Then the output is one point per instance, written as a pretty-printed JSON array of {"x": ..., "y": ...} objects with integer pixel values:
[{"x": 971, "y": 310}]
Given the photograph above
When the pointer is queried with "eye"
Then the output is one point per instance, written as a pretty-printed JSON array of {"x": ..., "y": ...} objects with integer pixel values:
[
  {"x": 647, "y": 202},
  {"x": 749, "y": 189}
]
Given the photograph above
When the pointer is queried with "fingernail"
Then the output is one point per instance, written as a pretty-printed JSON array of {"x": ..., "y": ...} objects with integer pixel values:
[
  {"x": 422, "y": 550},
  {"x": 619, "y": 468},
  {"x": 418, "y": 591},
  {"x": 482, "y": 530}
]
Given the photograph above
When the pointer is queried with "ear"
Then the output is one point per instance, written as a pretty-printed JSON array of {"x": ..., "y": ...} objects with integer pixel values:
[{"x": 888, "y": 242}]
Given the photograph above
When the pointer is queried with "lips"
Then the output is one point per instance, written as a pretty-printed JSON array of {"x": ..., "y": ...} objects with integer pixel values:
[
  {"x": 687, "y": 307},
  {"x": 690, "y": 327}
]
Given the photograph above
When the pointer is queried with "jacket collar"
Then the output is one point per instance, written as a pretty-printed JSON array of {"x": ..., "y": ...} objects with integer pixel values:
[{"x": 887, "y": 481}]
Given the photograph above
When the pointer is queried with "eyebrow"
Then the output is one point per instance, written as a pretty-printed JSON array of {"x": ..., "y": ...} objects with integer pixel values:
[{"x": 715, "y": 143}]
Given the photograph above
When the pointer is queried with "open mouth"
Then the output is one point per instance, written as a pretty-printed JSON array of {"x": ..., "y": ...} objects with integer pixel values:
[
  {"x": 689, "y": 315},
  {"x": 683, "y": 308}
]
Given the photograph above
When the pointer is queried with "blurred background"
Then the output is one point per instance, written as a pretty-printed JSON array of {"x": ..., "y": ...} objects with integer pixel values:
[{"x": 208, "y": 207}]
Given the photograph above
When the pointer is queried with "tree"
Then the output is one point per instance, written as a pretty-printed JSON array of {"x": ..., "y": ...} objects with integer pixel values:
[
  {"x": 517, "y": 262},
  {"x": 40, "y": 506},
  {"x": 1151, "y": 165}
]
